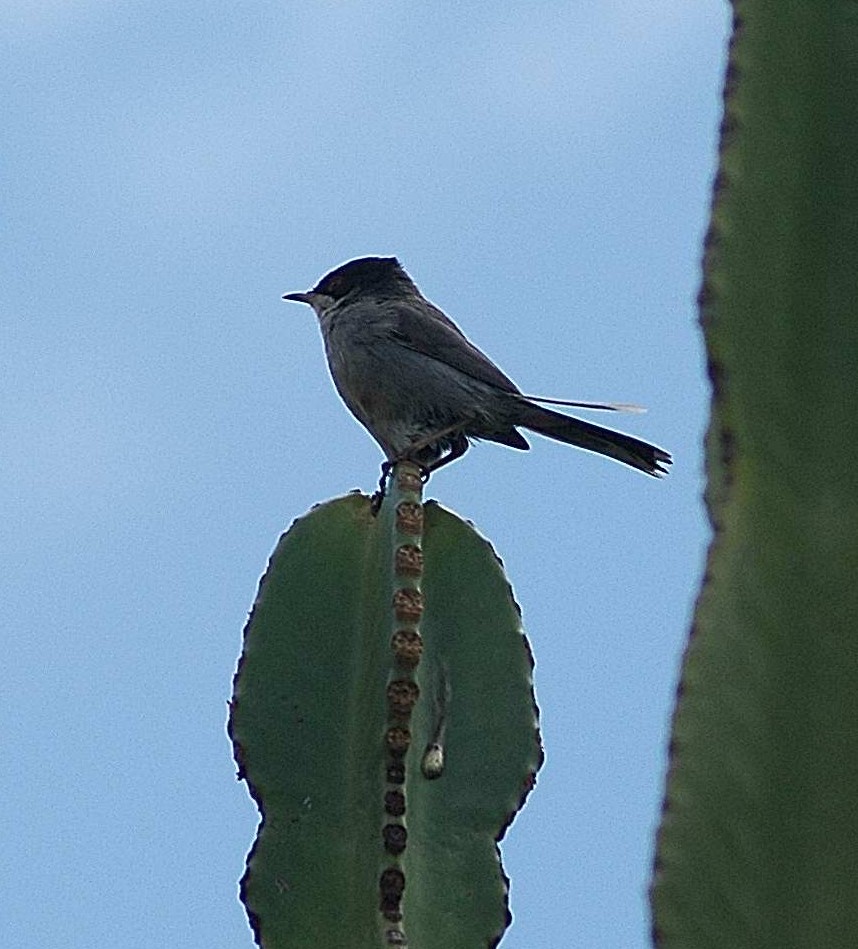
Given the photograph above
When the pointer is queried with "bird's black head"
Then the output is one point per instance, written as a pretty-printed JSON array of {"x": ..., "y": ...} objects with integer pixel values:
[{"x": 363, "y": 274}]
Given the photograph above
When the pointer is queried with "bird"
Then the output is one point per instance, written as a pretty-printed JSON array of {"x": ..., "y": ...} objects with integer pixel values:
[{"x": 423, "y": 390}]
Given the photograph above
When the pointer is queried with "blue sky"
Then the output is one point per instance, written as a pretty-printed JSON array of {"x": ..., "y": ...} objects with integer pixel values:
[{"x": 543, "y": 170}]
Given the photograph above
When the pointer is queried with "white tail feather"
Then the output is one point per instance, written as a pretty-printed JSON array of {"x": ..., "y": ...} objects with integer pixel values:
[{"x": 598, "y": 406}]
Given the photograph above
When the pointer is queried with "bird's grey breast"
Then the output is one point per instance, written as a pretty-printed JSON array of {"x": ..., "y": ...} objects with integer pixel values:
[{"x": 357, "y": 337}]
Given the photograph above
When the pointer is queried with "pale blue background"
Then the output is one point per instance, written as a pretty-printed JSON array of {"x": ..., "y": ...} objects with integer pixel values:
[{"x": 543, "y": 170}]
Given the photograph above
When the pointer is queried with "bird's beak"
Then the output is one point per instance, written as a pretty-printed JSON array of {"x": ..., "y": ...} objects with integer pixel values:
[{"x": 298, "y": 297}]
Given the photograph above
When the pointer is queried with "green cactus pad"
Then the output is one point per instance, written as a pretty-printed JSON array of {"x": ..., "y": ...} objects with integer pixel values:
[
  {"x": 309, "y": 718},
  {"x": 758, "y": 847}
]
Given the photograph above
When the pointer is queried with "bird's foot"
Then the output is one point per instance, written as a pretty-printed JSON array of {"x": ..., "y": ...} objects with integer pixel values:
[
  {"x": 381, "y": 491},
  {"x": 386, "y": 472}
]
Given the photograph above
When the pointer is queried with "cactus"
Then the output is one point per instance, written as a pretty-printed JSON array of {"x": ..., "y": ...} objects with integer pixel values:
[
  {"x": 758, "y": 845},
  {"x": 384, "y": 719}
]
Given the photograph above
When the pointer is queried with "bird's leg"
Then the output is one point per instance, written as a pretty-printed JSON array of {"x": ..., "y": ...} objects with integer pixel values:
[
  {"x": 458, "y": 447},
  {"x": 378, "y": 497},
  {"x": 424, "y": 442}
]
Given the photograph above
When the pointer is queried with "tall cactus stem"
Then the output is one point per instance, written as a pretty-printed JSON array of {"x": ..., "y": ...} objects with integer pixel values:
[{"x": 403, "y": 514}]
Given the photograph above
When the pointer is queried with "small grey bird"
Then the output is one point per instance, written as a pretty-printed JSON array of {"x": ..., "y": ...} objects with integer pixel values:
[{"x": 422, "y": 389}]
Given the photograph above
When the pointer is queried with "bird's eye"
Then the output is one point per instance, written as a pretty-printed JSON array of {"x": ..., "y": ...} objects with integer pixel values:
[{"x": 332, "y": 288}]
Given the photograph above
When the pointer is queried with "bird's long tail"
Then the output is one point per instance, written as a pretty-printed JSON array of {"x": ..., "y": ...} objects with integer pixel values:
[{"x": 625, "y": 448}]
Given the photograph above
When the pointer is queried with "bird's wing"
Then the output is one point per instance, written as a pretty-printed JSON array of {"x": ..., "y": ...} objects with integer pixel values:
[{"x": 441, "y": 339}]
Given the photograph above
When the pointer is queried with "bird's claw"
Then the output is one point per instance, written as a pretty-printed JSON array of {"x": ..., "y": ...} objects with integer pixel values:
[
  {"x": 386, "y": 472},
  {"x": 378, "y": 497}
]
